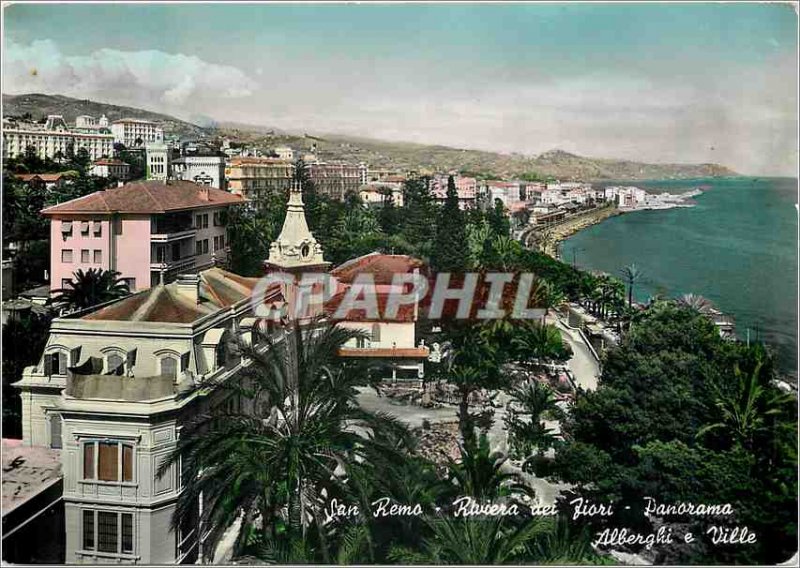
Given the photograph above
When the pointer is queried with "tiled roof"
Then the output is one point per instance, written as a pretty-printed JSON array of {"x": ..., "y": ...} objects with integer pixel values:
[
  {"x": 218, "y": 289},
  {"x": 110, "y": 162},
  {"x": 382, "y": 266},
  {"x": 396, "y": 353},
  {"x": 147, "y": 197},
  {"x": 43, "y": 177}
]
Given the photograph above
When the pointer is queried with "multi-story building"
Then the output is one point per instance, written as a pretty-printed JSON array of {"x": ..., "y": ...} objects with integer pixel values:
[
  {"x": 334, "y": 180},
  {"x": 148, "y": 231},
  {"x": 86, "y": 122},
  {"x": 136, "y": 132},
  {"x": 377, "y": 193},
  {"x": 112, "y": 390},
  {"x": 54, "y": 140},
  {"x": 466, "y": 188},
  {"x": 254, "y": 178},
  {"x": 284, "y": 153},
  {"x": 117, "y": 383},
  {"x": 110, "y": 167},
  {"x": 157, "y": 160},
  {"x": 201, "y": 169}
]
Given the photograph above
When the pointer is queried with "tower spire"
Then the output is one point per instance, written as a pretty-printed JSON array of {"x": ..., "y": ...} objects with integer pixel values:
[{"x": 296, "y": 246}]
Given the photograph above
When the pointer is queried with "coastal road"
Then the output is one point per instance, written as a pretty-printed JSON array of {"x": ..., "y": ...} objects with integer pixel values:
[{"x": 583, "y": 364}]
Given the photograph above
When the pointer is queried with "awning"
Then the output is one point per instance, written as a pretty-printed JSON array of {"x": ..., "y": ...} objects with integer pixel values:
[
  {"x": 84, "y": 226},
  {"x": 66, "y": 226},
  {"x": 97, "y": 226},
  {"x": 213, "y": 336}
]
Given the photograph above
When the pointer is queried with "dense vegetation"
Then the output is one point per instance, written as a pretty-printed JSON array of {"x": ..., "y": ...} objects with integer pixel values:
[{"x": 684, "y": 416}]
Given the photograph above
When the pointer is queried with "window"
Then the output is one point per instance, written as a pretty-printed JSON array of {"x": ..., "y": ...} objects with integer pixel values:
[
  {"x": 216, "y": 244},
  {"x": 198, "y": 221},
  {"x": 376, "y": 332},
  {"x": 55, "y": 363},
  {"x": 98, "y": 256},
  {"x": 113, "y": 361},
  {"x": 205, "y": 221},
  {"x": 221, "y": 352},
  {"x": 110, "y": 531},
  {"x": 55, "y": 431},
  {"x": 88, "y": 530},
  {"x": 205, "y": 246},
  {"x": 98, "y": 229},
  {"x": 84, "y": 228},
  {"x": 361, "y": 342},
  {"x": 169, "y": 367},
  {"x": 66, "y": 255},
  {"x": 198, "y": 247},
  {"x": 85, "y": 256},
  {"x": 108, "y": 461},
  {"x": 222, "y": 241}
]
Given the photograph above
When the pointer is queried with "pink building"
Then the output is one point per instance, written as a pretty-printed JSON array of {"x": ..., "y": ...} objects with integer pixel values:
[
  {"x": 148, "y": 231},
  {"x": 466, "y": 187}
]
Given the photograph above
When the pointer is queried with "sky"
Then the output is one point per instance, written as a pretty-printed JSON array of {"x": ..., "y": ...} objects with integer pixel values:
[{"x": 649, "y": 82}]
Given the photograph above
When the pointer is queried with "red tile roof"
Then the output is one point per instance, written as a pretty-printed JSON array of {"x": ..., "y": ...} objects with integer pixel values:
[
  {"x": 396, "y": 353},
  {"x": 43, "y": 177},
  {"x": 382, "y": 266},
  {"x": 145, "y": 197},
  {"x": 218, "y": 289}
]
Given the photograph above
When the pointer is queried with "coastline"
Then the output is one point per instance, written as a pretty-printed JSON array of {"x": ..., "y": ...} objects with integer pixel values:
[{"x": 665, "y": 201}]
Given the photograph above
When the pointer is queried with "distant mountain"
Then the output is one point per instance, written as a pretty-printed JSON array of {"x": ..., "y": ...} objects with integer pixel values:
[
  {"x": 423, "y": 158},
  {"x": 39, "y": 106}
]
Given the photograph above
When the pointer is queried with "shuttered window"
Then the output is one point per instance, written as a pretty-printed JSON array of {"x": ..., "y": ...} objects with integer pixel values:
[
  {"x": 112, "y": 461},
  {"x": 88, "y": 461},
  {"x": 107, "y": 462},
  {"x": 55, "y": 431}
]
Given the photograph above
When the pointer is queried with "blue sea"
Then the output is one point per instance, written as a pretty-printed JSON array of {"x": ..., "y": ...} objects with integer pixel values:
[{"x": 737, "y": 247}]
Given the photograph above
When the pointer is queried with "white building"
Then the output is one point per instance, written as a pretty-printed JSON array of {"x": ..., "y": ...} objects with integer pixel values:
[
  {"x": 111, "y": 391},
  {"x": 284, "y": 153},
  {"x": 110, "y": 167},
  {"x": 136, "y": 132},
  {"x": 628, "y": 196},
  {"x": 205, "y": 170},
  {"x": 54, "y": 139},
  {"x": 86, "y": 122},
  {"x": 157, "y": 161}
]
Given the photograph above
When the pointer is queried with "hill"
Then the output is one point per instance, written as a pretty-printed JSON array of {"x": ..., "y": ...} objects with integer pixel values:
[
  {"x": 39, "y": 106},
  {"x": 404, "y": 156}
]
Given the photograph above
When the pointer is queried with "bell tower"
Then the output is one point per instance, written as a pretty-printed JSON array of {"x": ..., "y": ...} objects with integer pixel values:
[{"x": 296, "y": 249}]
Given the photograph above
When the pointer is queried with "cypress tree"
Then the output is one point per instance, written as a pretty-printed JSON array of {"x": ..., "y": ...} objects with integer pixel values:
[{"x": 450, "y": 251}]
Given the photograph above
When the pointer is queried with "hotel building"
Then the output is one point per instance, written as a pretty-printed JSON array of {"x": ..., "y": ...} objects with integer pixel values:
[
  {"x": 148, "y": 231},
  {"x": 254, "y": 178},
  {"x": 54, "y": 139},
  {"x": 136, "y": 132}
]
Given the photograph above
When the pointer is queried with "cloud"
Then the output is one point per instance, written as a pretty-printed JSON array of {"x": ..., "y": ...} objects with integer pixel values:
[{"x": 136, "y": 77}]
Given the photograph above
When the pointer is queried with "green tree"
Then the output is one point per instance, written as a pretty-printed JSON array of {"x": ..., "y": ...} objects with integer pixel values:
[
  {"x": 89, "y": 288},
  {"x": 498, "y": 219},
  {"x": 632, "y": 275},
  {"x": 449, "y": 252},
  {"x": 280, "y": 455}
]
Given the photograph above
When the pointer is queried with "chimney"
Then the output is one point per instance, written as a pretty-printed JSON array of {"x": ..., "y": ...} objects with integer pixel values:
[
  {"x": 189, "y": 287},
  {"x": 203, "y": 193}
]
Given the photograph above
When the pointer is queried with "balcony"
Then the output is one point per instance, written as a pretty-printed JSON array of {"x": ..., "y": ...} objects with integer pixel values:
[
  {"x": 185, "y": 263},
  {"x": 168, "y": 237}
]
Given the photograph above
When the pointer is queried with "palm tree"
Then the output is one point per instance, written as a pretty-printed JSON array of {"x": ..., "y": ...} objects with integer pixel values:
[
  {"x": 632, "y": 275},
  {"x": 745, "y": 412},
  {"x": 534, "y": 401},
  {"x": 533, "y": 344},
  {"x": 289, "y": 447},
  {"x": 696, "y": 302},
  {"x": 91, "y": 287},
  {"x": 474, "y": 541},
  {"x": 479, "y": 473}
]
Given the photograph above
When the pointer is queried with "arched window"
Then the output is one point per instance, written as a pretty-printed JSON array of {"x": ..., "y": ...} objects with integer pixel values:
[
  {"x": 376, "y": 332},
  {"x": 169, "y": 367},
  {"x": 113, "y": 361},
  {"x": 222, "y": 353}
]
